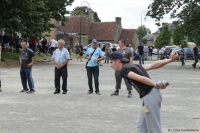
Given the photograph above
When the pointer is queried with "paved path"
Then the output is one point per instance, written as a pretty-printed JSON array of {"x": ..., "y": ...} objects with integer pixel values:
[{"x": 78, "y": 112}]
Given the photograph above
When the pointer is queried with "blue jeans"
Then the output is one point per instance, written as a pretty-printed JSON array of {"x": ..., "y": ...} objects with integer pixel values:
[
  {"x": 95, "y": 72},
  {"x": 34, "y": 48},
  {"x": 26, "y": 74},
  {"x": 141, "y": 57},
  {"x": 107, "y": 58}
]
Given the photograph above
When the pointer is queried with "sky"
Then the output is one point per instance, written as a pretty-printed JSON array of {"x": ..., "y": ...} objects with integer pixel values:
[{"x": 129, "y": 10}]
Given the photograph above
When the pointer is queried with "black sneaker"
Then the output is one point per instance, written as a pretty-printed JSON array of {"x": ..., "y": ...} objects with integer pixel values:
[
  {"x": 89, "y": 92},
  {"x": 129, "y": 95},
  {"x": 116, "y": 93},
  {"x": 56, "y": 92},
  {"x": 30, "y": 92},
  {"x": 64, "y": 92},
  {"x": 24, "y": 91},
  {"x": 98, "y": 93}
]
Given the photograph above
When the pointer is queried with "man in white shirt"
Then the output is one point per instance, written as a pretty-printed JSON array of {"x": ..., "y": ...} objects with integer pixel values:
[{"x": 53, "y": 43}]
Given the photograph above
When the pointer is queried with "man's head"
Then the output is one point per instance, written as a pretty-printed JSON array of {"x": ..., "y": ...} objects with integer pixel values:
[
  {"x": 130, "y": 45},
  {"x": 94, "y": 43},
  {"x": 117, "y": 60},
  {"x": 121, "y": 43},
  {"x": 61, "y": 43},
  {"x": 23, "y": 44}
]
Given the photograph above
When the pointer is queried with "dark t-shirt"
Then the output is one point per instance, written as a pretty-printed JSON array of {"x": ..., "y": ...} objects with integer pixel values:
[
  {"x": 81, "y": 48},
  {"x": 195, "y": 51},
  {"x": 150, "y": 48},
  {"x": 114, "y": 49},
  {"x": 126, "y": 52},
  {"x": 141, "y": 88},
  {"x": 44, "y": 43},
  {"x": 140, "y": 49},
  {"x": 26, "y": 57}
]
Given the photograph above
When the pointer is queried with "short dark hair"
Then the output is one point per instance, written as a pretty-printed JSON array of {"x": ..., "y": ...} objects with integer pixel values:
[{"x": 122, "y": 40}]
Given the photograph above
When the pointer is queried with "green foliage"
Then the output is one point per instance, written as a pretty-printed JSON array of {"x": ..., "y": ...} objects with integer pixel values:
[
  {"x": 82, "y": 11},
  {"x": 184, "y": 43},
  {"x": 144, "y": 40},
  {"x": 185, "y": 11},
  {"x": 32, "y": 17},
  {"x": 164, "y": 38},
  {"x": 178, "y": 35},
  {"x": 142, "y": 31}
]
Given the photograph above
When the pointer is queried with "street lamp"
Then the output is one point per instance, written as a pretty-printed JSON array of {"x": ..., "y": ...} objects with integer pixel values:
[
  {"x": 132, "y": 26},
  {"x": 144, "y": 17},
  {"x": 86, "y": 5}
]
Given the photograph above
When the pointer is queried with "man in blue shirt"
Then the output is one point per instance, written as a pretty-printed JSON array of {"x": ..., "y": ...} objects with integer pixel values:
[
  {"x": 60, "y": 60},
  {"x": 94, "y": 55}
]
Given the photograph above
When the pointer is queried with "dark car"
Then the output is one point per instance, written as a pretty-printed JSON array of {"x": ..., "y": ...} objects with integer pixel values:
[{"x": 188, "y": 53}]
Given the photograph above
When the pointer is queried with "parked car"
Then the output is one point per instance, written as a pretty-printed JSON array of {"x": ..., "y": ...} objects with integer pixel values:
[
  {"x": 86, "y": 47},
  {"x": 168, "y": 48},
  {"x": 188, "y": 53},
  {"x": 155, "y": 51}
]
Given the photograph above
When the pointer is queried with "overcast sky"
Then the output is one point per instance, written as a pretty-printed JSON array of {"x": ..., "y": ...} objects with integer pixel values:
[{"x": 129, "y": 10}]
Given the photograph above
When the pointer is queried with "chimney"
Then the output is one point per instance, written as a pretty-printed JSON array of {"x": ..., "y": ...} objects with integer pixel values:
[
  {"x": 118, "y": 21},
  {"x": 91, "y": 14}
]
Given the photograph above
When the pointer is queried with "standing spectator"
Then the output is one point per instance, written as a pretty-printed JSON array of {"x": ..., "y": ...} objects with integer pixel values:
[
  {"x": 141, "y": 53},
  {"x": 93, "y": 54},
  {"x": 132, "y": 49},
  {"x": 34, "y": 43},
  {"x": 107, "y": 53},
  {"x": 126, "y": 52},
  {"x": 16, "y": 40},
  {"x": 61, "y": 59},
  {"x": 114, "y": 48},
  {"x": 6, "y": 41},
  {"x": 26, "y": 62},
  {"x": 40, "y": 45},
  {"x": 0, "y": 72},
  {"x": 0, "y": 86},
  {"x": 11, "y": 42},
  {"x": 151, "y": 98},
  {"x": 77, "y": 48},
  {"x": 150, "y": 48},
  {"x": 53, "y": 45},
  {"x": 44, "y": 46},
  {"x": 182, "y": 56},
  {"x": 80, "y": 48},
  {"x": 195, "y": 56}
]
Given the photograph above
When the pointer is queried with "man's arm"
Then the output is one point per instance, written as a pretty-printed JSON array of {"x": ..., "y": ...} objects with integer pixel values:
[
  {"x": 160, "y": 63},
  {"x": 20, "y": 60},
  {"x": 145, "y": 80},
  {"x": 33, "y": 60},
  {"x": 131, "y": 60}
]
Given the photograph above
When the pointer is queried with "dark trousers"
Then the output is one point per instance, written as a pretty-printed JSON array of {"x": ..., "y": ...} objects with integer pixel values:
[
  {"x": 141, "y": 58},
  {"x": 17, "y": 48},
  {"x": 61, "y": 73},
  {"x": 34, "y": 48},
  {"x": 0, "y": 83},
  {"x": 118, "y": 79},
  {"x": 182, "y": 60},
  {"x": 107, "y": 58},
  {"x": 95, "y": 72},
  {"x": 26, "y": 75},
  {"x": 195, "y": 60}
]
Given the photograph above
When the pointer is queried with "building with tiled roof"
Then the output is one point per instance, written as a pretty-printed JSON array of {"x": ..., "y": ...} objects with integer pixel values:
[{"x": 102, "y": 31}]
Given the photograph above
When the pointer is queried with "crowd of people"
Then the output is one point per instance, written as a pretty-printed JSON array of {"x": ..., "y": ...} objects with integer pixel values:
[{"x": 121, "y": 60}]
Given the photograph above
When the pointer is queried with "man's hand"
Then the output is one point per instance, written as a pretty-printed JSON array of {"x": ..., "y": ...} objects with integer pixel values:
[
  {"x": 96, "y": 60},
  {"x": 174, "y": 55},
  {"x": 161, "y": 85},
  {"x": 30, "y": 64}
]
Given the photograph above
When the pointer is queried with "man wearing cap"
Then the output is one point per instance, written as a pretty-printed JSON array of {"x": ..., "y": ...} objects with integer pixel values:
[
  {"x": 126, "y": 52},
  {"x": 149, "y": 117},
  {"x": 94, "y": 55},
  {"x": 27, "y": 58},
  {"x": 60, "y": 60}
]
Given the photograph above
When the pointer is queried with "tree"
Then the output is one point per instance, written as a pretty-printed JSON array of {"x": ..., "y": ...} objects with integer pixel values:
[
  {"x": 82, "y": 11},
  {"x": 185, "y": 11},
  {"x": 142, "y": 31},
  {"x": 31, "y": 18},
  {"x": 178, "y": 36},
  {"x": 144, "y": 40},
  {"x": 164, "y": 38}
]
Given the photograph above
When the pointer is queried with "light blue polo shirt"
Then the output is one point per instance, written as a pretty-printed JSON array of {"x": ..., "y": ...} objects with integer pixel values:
[{"x": 98, "y": 53}]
